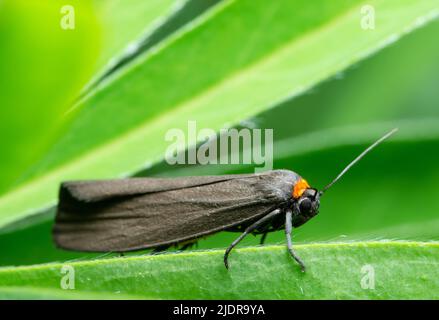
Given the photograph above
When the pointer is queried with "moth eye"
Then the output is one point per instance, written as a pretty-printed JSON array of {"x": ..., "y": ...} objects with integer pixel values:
[{"x": 305, "y": 205}]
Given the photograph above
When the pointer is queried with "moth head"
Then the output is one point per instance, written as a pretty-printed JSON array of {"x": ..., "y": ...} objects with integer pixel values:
[{"x": 307, "y": 202}]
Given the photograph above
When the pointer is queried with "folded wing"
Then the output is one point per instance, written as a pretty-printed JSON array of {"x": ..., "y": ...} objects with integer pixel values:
[{"x": 133, "y": 214}]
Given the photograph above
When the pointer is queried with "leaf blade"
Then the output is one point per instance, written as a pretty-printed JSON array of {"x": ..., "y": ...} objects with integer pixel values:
[{"x": 201, "y": 275}]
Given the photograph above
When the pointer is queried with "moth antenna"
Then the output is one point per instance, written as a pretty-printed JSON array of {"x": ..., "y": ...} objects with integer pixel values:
[{"x": 388, "y": 134}]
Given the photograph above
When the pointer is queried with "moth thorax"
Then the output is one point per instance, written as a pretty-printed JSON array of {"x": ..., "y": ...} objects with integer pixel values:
[{"x": 299, "y": 188}]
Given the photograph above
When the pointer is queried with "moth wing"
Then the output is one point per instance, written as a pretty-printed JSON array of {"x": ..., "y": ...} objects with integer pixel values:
[
  {"x": 163, "y": 214},
  {"x": 99, "y": 190}
]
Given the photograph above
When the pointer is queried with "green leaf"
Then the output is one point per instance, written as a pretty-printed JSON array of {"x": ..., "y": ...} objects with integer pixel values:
[
  {"x": 161, "y": 92},
  {"x": 126, "y": 25},
  {"x": 43, "y": 66},
  {"x": 35, "y": 293},
  {"x": 358, "y": 270}
]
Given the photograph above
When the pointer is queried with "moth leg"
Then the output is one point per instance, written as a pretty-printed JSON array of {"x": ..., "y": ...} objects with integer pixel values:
[
  {"x": 189, "y": 245},
  {"x": 264, "y": 236},
  {"x": 288, "y": 230},
  {"x": 252, "y": 227},
  {"x": 160, "y": 249}
]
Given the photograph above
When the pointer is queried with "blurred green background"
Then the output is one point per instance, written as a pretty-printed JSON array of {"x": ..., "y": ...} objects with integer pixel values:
[{"x": 75, "y": 104}]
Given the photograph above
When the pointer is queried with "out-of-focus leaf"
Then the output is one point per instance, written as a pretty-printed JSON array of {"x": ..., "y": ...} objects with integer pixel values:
[
  {"x": 43, "y": 65},
  {"x": 126, "y": 22},
  {"x": 132, "y": 27}
]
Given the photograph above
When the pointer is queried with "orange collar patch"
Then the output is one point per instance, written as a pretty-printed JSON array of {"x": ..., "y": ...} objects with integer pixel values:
[{"x": 299, "y": 188}]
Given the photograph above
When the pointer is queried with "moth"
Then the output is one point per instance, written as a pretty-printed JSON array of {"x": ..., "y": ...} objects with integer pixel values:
[{"x": 140, "y": 213}]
